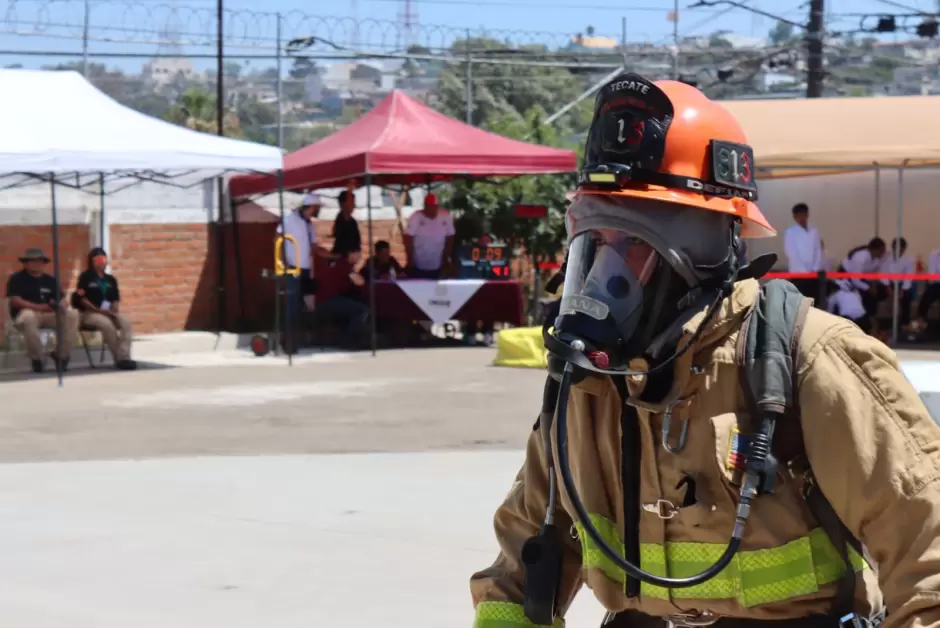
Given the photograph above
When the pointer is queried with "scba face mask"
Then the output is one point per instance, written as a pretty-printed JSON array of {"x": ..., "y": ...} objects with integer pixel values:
[{"x": 604, "y": 298}]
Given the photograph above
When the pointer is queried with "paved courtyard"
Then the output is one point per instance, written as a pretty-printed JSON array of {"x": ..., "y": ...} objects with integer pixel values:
[
  {"x": 222, "y": 490},
  {"x": 441, "y": 399}
]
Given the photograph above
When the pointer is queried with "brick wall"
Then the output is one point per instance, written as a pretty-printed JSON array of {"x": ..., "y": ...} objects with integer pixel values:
[
  {"x": 168, "y": 272},
  {"x": 164, "y": 274},
  {"x": 74, "y": 244}
]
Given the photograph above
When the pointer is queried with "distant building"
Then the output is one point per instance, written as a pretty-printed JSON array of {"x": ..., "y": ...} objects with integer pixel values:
[
  {"x": 165, "y": 71},
  {"x": 590, "y": 43},
  {"x": 914, "y": 81},
  {"x": 744, "y": 41},
  {"x": 314, "y": 87}
]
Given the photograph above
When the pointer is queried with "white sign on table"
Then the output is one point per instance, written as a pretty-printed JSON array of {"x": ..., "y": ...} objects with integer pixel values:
[{"x": 440, "y": 300}]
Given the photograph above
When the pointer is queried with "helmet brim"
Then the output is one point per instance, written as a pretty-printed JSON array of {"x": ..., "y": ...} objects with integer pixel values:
[{"x": 753, "y": 222}]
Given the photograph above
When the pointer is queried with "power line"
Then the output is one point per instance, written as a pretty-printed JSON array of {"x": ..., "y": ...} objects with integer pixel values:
[
  {"x": 622, "y": 8},
  {"x": 903, "y": 6}
]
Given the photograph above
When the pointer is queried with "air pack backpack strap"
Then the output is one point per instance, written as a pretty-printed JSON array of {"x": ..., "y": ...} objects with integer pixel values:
[{"x": 768, "y": 350}]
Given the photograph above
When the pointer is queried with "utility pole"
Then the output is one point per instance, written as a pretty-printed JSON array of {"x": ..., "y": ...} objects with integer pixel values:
[
  {"x": 85, "y": 25},
  {"x": 279, "y": 88},
  {"x": 675, "y": 39},
  {"x": 623, "y": 40},
  {"x": 469, "y": 80},
  {"x": 815, "y": 75}
]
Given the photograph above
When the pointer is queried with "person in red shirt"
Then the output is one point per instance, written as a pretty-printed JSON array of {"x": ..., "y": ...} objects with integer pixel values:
[{"x": 339, "y": 298}]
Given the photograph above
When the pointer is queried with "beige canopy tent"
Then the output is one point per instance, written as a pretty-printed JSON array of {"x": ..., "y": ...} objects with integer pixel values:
[
  {"x": 820, "y": 136},
  {"x": 814, "y": 136}
]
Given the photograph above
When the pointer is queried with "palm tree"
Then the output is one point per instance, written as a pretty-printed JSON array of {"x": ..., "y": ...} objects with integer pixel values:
[{"x": 196, "y": 110}]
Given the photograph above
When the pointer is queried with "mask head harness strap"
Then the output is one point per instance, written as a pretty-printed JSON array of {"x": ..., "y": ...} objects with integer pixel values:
[{"x": 627, "y": 141}]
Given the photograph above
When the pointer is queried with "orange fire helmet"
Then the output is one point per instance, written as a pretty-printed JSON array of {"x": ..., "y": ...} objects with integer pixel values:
[{"x": 667, "y": 141}]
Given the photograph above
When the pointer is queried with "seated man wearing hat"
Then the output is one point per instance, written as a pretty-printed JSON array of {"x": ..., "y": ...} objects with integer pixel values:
[
  {"x": 34, "y": 296},
  {"x": 429, "y": 240}
]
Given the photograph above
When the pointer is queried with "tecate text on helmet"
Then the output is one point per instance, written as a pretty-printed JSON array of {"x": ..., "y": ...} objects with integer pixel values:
[{"x": 634, "y": 86}]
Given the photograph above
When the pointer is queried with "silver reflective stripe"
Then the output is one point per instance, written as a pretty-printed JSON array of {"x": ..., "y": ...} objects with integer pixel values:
[{"x": 577, "y": 304}]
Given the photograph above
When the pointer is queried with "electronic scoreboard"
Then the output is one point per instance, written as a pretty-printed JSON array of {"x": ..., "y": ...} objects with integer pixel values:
[{"x": 483, "y": 262}]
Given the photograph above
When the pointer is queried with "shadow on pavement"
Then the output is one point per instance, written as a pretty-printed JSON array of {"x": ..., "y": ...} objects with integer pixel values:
[{"x": 80, "y": 370}]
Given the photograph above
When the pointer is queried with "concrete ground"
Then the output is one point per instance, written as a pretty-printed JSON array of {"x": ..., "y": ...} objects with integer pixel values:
[
  {"x": 205, "y": 489},
  {"x": 200, "y": 405}
]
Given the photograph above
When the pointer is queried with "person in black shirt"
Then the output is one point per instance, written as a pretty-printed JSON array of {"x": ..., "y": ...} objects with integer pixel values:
[
  {"x": 347, "y": 240},
  {"x": 98, "y": 299},
  {"x": 386, "y": 266},
  {"x": 34, "y": 297}
]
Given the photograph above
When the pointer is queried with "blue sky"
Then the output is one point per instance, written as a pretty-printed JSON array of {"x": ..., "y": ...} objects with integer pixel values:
[{"x": 646, "y": 20}]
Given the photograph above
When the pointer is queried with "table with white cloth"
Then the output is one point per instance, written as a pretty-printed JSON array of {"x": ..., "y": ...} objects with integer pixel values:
[{"x": 439, "y": 301}]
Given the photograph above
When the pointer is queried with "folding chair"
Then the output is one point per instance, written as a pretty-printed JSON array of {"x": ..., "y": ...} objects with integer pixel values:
[
  {"x": 13, "y": 339},
  {"x": 87, "y": 329}
]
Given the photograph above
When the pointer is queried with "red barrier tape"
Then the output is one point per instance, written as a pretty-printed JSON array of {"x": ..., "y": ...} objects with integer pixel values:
[{"x": 874, "y": 276}]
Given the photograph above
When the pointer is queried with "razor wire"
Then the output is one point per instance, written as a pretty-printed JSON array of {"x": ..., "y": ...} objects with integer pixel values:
[{"x": 171, "y": 24}]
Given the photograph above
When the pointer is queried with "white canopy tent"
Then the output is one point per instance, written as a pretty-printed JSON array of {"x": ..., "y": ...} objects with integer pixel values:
[{"x": 56, "y": 123}]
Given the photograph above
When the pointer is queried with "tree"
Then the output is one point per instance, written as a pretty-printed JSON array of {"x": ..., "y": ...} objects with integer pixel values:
[
  {"x": 491, "y": 207},
  {"x": 258, "y": 120},
  {"x": 303, "y": 67},
  {"x": 232, "y": 71},
  {"x": 196, "y": 110},
  {"x": 718, "y": 40},
  {"x": 416, "y": 67},
  {"x": 781, "y": 33},
  {"x": 300, "y": 70},
  {"x": 499, "y": 89}
]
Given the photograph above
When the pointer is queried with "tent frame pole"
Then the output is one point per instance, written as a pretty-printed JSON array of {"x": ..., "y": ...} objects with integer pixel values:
[
  {"x": 56, "y": 267},
  {"x": 102, "y": 222},
  {"x": 239, "y": 277},
  {"x": 895, "y": 250},
  {"x": 279, "y": 282},
  {"x": 373, "y": 341},
  {"x": 877, "y": 199}
]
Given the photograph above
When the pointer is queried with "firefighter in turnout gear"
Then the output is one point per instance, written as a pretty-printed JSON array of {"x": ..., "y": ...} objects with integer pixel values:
[{"x": 711, "y": 451}]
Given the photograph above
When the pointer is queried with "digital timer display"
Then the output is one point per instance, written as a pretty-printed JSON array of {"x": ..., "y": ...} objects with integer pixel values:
[{"x": 483, "y": 262}]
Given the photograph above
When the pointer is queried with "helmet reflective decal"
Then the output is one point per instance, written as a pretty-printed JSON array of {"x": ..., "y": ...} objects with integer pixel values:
[{"x": 631, "y": 115}]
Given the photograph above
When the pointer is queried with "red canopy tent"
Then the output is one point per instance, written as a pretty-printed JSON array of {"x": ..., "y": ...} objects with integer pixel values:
[{"x": 403, "y": 141}]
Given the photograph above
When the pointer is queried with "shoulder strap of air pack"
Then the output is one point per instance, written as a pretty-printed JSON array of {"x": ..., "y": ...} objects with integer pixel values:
[{"x": 768, "y": 351}]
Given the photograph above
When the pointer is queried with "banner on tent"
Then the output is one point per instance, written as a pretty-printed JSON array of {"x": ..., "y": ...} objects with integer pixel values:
[{"x": 440, "y": 300}]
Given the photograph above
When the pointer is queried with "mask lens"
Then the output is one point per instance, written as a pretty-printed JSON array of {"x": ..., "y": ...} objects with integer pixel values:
[
  {"x": 637, "y": 255},
  {"x": 605, "y": 283}
]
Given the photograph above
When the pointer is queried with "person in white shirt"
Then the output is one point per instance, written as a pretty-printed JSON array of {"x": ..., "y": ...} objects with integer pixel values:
[
  {"x": 803, "y": 248},
  {"x": 299, "y": 225},
  {"x": 867, "y": 259},
  {"x": 932, "y": 293},
  {"x": 899, "y": 262},
  {"x": 429, "y": 240},
  {"x": 845, "y": 301}
]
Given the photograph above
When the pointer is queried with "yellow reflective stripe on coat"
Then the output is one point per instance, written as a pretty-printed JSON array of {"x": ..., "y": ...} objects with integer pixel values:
[
  {"x": 753, "y": 577},
  {"x": 505, "y": 615}
]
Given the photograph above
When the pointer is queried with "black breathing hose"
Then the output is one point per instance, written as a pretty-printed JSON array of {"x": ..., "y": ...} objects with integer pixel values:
[{"x": 748, "y": 493}]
